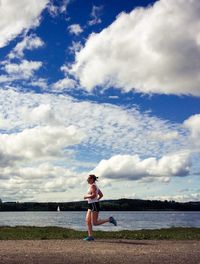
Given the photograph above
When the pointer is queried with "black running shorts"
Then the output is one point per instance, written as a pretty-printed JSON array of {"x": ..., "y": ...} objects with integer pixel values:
[{"x": 94, "y": 207}]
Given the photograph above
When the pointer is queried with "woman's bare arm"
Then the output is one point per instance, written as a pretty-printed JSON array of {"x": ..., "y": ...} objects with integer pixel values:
[
  {"x": 93, "y": 193},
  {"x": 100, "y": 194}
]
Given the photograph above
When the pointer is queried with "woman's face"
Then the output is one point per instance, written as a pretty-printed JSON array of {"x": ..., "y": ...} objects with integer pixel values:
[{"x": 90, "y": 180}]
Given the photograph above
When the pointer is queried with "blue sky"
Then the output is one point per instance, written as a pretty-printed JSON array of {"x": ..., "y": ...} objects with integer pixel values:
[{"x": 110, "y": 87}]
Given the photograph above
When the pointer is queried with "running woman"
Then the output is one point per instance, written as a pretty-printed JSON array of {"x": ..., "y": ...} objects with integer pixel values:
[{"x": 93, "y": 197}]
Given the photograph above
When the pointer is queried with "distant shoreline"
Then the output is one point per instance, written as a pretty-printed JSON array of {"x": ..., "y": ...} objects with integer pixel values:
[{"x": 106, "y": 205}]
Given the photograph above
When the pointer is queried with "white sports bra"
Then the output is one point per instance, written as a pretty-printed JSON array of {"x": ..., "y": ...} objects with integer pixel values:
[{"x": 94, "y": 200}]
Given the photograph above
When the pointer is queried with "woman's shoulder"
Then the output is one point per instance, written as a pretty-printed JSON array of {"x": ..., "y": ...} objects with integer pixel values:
[{"x": 93, "y": 185}]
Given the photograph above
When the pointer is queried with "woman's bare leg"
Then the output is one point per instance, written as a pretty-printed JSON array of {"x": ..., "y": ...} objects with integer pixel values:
[
  {"x": 88, "y": 220},
  {"x": 95, "y": 220}
]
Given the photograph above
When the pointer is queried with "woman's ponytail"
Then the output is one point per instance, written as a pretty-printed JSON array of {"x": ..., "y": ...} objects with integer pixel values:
[{"x": 94, "y": 177}]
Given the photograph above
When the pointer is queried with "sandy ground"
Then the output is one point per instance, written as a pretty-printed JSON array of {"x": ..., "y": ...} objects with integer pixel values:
[{"x": 99, "y": 251}]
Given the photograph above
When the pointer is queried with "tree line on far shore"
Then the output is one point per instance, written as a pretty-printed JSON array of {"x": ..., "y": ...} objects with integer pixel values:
[{"x": 106, "y": 205}]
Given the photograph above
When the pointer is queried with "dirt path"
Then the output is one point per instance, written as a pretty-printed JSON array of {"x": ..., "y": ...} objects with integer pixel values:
[{"x": 100, "y": 251}]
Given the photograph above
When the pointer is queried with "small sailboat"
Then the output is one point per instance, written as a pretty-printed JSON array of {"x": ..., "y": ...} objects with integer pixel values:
[{"x": 58, "y": 208}]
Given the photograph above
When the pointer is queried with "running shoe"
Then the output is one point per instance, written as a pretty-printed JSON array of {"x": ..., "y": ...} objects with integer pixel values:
[
  {"x": 113, "y": 221},
  {"x": 89, "y": 238}
]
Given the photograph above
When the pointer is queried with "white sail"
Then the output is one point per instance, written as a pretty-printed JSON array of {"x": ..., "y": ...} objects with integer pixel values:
[{"x": 58, "y": 209}]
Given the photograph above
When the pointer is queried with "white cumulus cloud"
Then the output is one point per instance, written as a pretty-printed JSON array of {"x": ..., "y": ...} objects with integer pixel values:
[
  {"x": 63, "y": 84},
  {"x": 42, "y": 83},
  {"x": 74, "y": 48},
  {"x": 42, "y": 114},
  {"x": 75, "y": 29},
  {"x": 27, "y": 183},
  {"x": 193, "y": 124},
  {"x": 150, "y": 50},
  {"x": 28, "y": 43},
  {"x": 25, "y": 69},
  {"x": 95, "y": 15},
  {"x": 17, "y": 16},
  {"x": 133, "y": 168},
  {"x": 39, "y": 142},
  {"x": 57, "y": 8}
]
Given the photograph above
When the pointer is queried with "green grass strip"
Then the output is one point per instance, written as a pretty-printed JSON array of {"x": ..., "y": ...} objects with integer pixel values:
[{"x": 22, "y": 232}]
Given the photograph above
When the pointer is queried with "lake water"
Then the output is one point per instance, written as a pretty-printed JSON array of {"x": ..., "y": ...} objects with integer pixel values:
[{"x": 130, "y": 220}]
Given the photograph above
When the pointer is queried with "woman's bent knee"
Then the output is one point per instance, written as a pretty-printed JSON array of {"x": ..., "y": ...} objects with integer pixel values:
[{"x": 95, "y": 223}]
